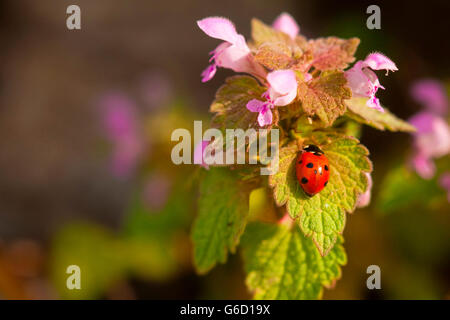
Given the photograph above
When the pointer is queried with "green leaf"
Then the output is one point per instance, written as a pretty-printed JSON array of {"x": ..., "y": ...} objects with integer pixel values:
[
  {"x": 282, "y": 264},
  {"x": 324, "y": 96},
  {"x": 323, "y": 216},
  {"x": 231, "y": 100},
  {"x": 358, "y": 111},
  {"x": 222, "y": 217},
  {"x": 333, "y": 53}
]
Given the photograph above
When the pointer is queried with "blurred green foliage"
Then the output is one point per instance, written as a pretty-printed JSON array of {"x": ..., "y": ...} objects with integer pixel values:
[
  {"x": 403, "y": 188},
  {"x": 153, "y": 243}
]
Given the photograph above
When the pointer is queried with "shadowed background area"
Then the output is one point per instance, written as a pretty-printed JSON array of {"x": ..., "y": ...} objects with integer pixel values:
[{"x": 69, "y": 180}]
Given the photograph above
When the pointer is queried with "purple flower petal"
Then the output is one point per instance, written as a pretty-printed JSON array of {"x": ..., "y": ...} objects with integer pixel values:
[
  {"x": 358, "y": 81},
  {"x": 374, "y": 103},
  {"x": 119, "y": 115},
  {"x": 283, "y": 87},
  {"x": 432, "y": 138},
  {"x": 219, "y": 28},
  {"x": 423, "y": 166},
  {"x": 431, "y": 94},
  {"x": 209, "y": 72},
  {"x": 121, "y": 126},
  {"x": 364, "y": 82},
  {"x": 234, "y": 53},
  {"x": 255, "y": 105},
  {"x": 285, "y": 23},
  {"x": 282, "y": 81},
  {"x": 236, "y": 58},
  {"x": 378, "y": 61},
  {"x": 199, "y": 153},
  {"x": 265, "y": 117},
  {"x": 423, "y": 121},
  {"x": 126, "y": 154}
]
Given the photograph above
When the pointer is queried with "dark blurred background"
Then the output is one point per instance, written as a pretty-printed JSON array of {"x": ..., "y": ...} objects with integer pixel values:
[{"x": 55, "y": 155}]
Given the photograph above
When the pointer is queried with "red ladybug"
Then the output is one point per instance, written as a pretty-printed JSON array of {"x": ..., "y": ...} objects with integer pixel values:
[{"x": 312, "y": 170}]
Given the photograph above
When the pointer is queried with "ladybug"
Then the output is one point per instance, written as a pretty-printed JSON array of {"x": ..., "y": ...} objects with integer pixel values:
[{"x": 312, "y": 170}]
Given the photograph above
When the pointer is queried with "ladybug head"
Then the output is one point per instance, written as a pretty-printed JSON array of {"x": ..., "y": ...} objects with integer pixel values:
[{"x": 313, "y": 149}]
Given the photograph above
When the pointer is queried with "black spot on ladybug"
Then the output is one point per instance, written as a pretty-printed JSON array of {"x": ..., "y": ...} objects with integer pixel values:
[
  {"x": 310, "y": 165},
  {"x": 326, "y": 167},
  {"x": 300, "y": 162},
  {"x": 315, "y": 171},
  {"x": 304, "y": 180},
  {"x": 325, "y": 184}
]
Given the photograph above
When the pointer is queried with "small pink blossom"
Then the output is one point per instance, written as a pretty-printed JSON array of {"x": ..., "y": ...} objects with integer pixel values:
[
  {"x": 431, "y": 140},
  {"x": 118, "y": 115},
  {"x": 199, "y": 153},
  {"x": 233, "y": 54},
  {"x": 431, "y": 94},
  {"x": 282, "y": 91},
  {"x": 444, "y": 182},
  {"x": 285, "y": 23},
  {"x": 364, "y": 199},
  {"x": 432, "y": 137},
  {"x": 364, "y": 82},
  {"x": 121, "y": 126},
  {"x": 423, "y": 165}
]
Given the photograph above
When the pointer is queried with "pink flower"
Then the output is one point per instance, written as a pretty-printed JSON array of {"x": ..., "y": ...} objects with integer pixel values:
[
  {"x": 199, "y": 153},
  {"x": 285, "y": 23},
  {"x": 119, "y": 115},
  {"x": 364, "y": 82},
  {"x": 121, "y": 126},
  {"x": 431, "y": 140},
  {"x": 282, "y": 91},
  {"x": 233, "y": 54},
  {"x": 431, "y": 94},
  {"x": 423, "y": 165},
  {"x": 444, "y": 181},
  {"x": 364, "y": 199}
]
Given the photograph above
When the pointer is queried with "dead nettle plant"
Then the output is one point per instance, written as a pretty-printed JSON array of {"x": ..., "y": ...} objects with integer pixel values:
[{"x": 309, "y": 90}]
